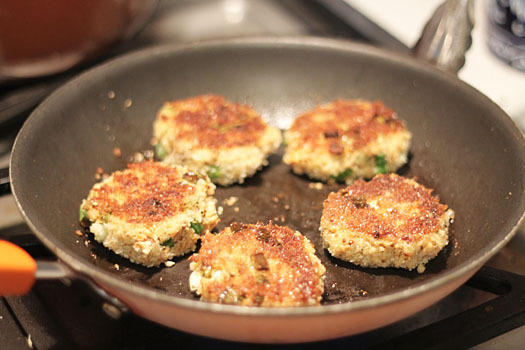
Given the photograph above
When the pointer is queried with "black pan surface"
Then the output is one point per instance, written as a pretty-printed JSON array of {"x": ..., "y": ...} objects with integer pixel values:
[{"x": 464, "y": 147}]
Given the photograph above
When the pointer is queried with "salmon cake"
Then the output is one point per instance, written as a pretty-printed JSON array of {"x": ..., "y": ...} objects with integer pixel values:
[
  {"x": 390, "y": 221},
  {"x": 228, "y": 141},
  {"x": 345, "y": 140},
  {"x": 257, "y": 265},
  {"x": 150, "y": 212}
]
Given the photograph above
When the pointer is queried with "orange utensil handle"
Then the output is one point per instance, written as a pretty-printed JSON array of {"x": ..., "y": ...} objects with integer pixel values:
[{"x": 17, "y": 269}]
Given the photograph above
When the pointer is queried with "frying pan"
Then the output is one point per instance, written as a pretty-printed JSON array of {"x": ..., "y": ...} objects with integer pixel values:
[{"x": 464, "y": 146}]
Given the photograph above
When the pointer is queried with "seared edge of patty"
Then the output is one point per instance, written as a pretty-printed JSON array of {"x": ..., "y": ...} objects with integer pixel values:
[{"x": 151, "y": 212}]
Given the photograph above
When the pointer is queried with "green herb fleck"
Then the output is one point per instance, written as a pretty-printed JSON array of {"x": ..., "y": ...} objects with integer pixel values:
[
  {"x": 380, "y": 164},
  {"x": 380, "y": 119},
  {"x": 168, "y": 243},
  {"x": 160, "y": 152},
  {"x": 197, "y": 227},
  {"x": 341, "y": 177},
  {"x": 214, "y": 172},
  {"x": 82, "y": 215},
  {"x": 106, "y": 216}
]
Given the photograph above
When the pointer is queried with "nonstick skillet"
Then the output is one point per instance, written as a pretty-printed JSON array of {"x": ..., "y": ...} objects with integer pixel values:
[{"x": 464, "y": 146}]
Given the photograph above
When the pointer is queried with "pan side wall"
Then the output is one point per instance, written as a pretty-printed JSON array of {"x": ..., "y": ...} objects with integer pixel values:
[{"x": 289, "y": 329}]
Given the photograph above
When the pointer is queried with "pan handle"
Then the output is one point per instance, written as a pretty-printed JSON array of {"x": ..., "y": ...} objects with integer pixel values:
[
  {"x": 17, "y": 269},
  {"x": 4, "y": 182}
]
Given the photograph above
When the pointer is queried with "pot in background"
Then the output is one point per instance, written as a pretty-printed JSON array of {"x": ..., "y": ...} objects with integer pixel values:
[{"x": 43, "y": 37}]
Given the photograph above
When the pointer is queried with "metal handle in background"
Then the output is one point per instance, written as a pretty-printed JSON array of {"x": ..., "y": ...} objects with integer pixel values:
[
  {"x": 53, "y": 270},
  {"x": 4, "y": 182},
  {"x": 57, "y": 270},
  {"x": 447, "y": 35}
]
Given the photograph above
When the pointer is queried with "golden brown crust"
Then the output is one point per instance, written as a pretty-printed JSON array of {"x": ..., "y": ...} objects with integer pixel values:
[
  {"x": 266, "y": 265},
  {"x": 145, "y": 192},
  {"x": 345, "y": 125},
  {"x": 389, "y": 207},
  {"x": 213, "y": 122}
]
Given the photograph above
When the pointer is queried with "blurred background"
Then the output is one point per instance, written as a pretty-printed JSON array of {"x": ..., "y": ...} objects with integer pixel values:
[
  {"x": 44, "y": 43},
  {"x": 40, "y": 40}
]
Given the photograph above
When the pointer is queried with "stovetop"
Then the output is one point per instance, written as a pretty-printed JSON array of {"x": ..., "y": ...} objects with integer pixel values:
[{"x": 487, "y": 312}]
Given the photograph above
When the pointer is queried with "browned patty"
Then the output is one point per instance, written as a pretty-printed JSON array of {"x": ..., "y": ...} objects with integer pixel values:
[
  {"x": 213, "y": 122},
  {"x": 263, "y": 265},
  {"x": 390, "y": 221},
  {"x": 362, "y": 121},
  {"x": 150, "y": 212}
]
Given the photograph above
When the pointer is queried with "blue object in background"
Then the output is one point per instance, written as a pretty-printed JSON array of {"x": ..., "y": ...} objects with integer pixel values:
[{"x": 507, "y": 31}]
